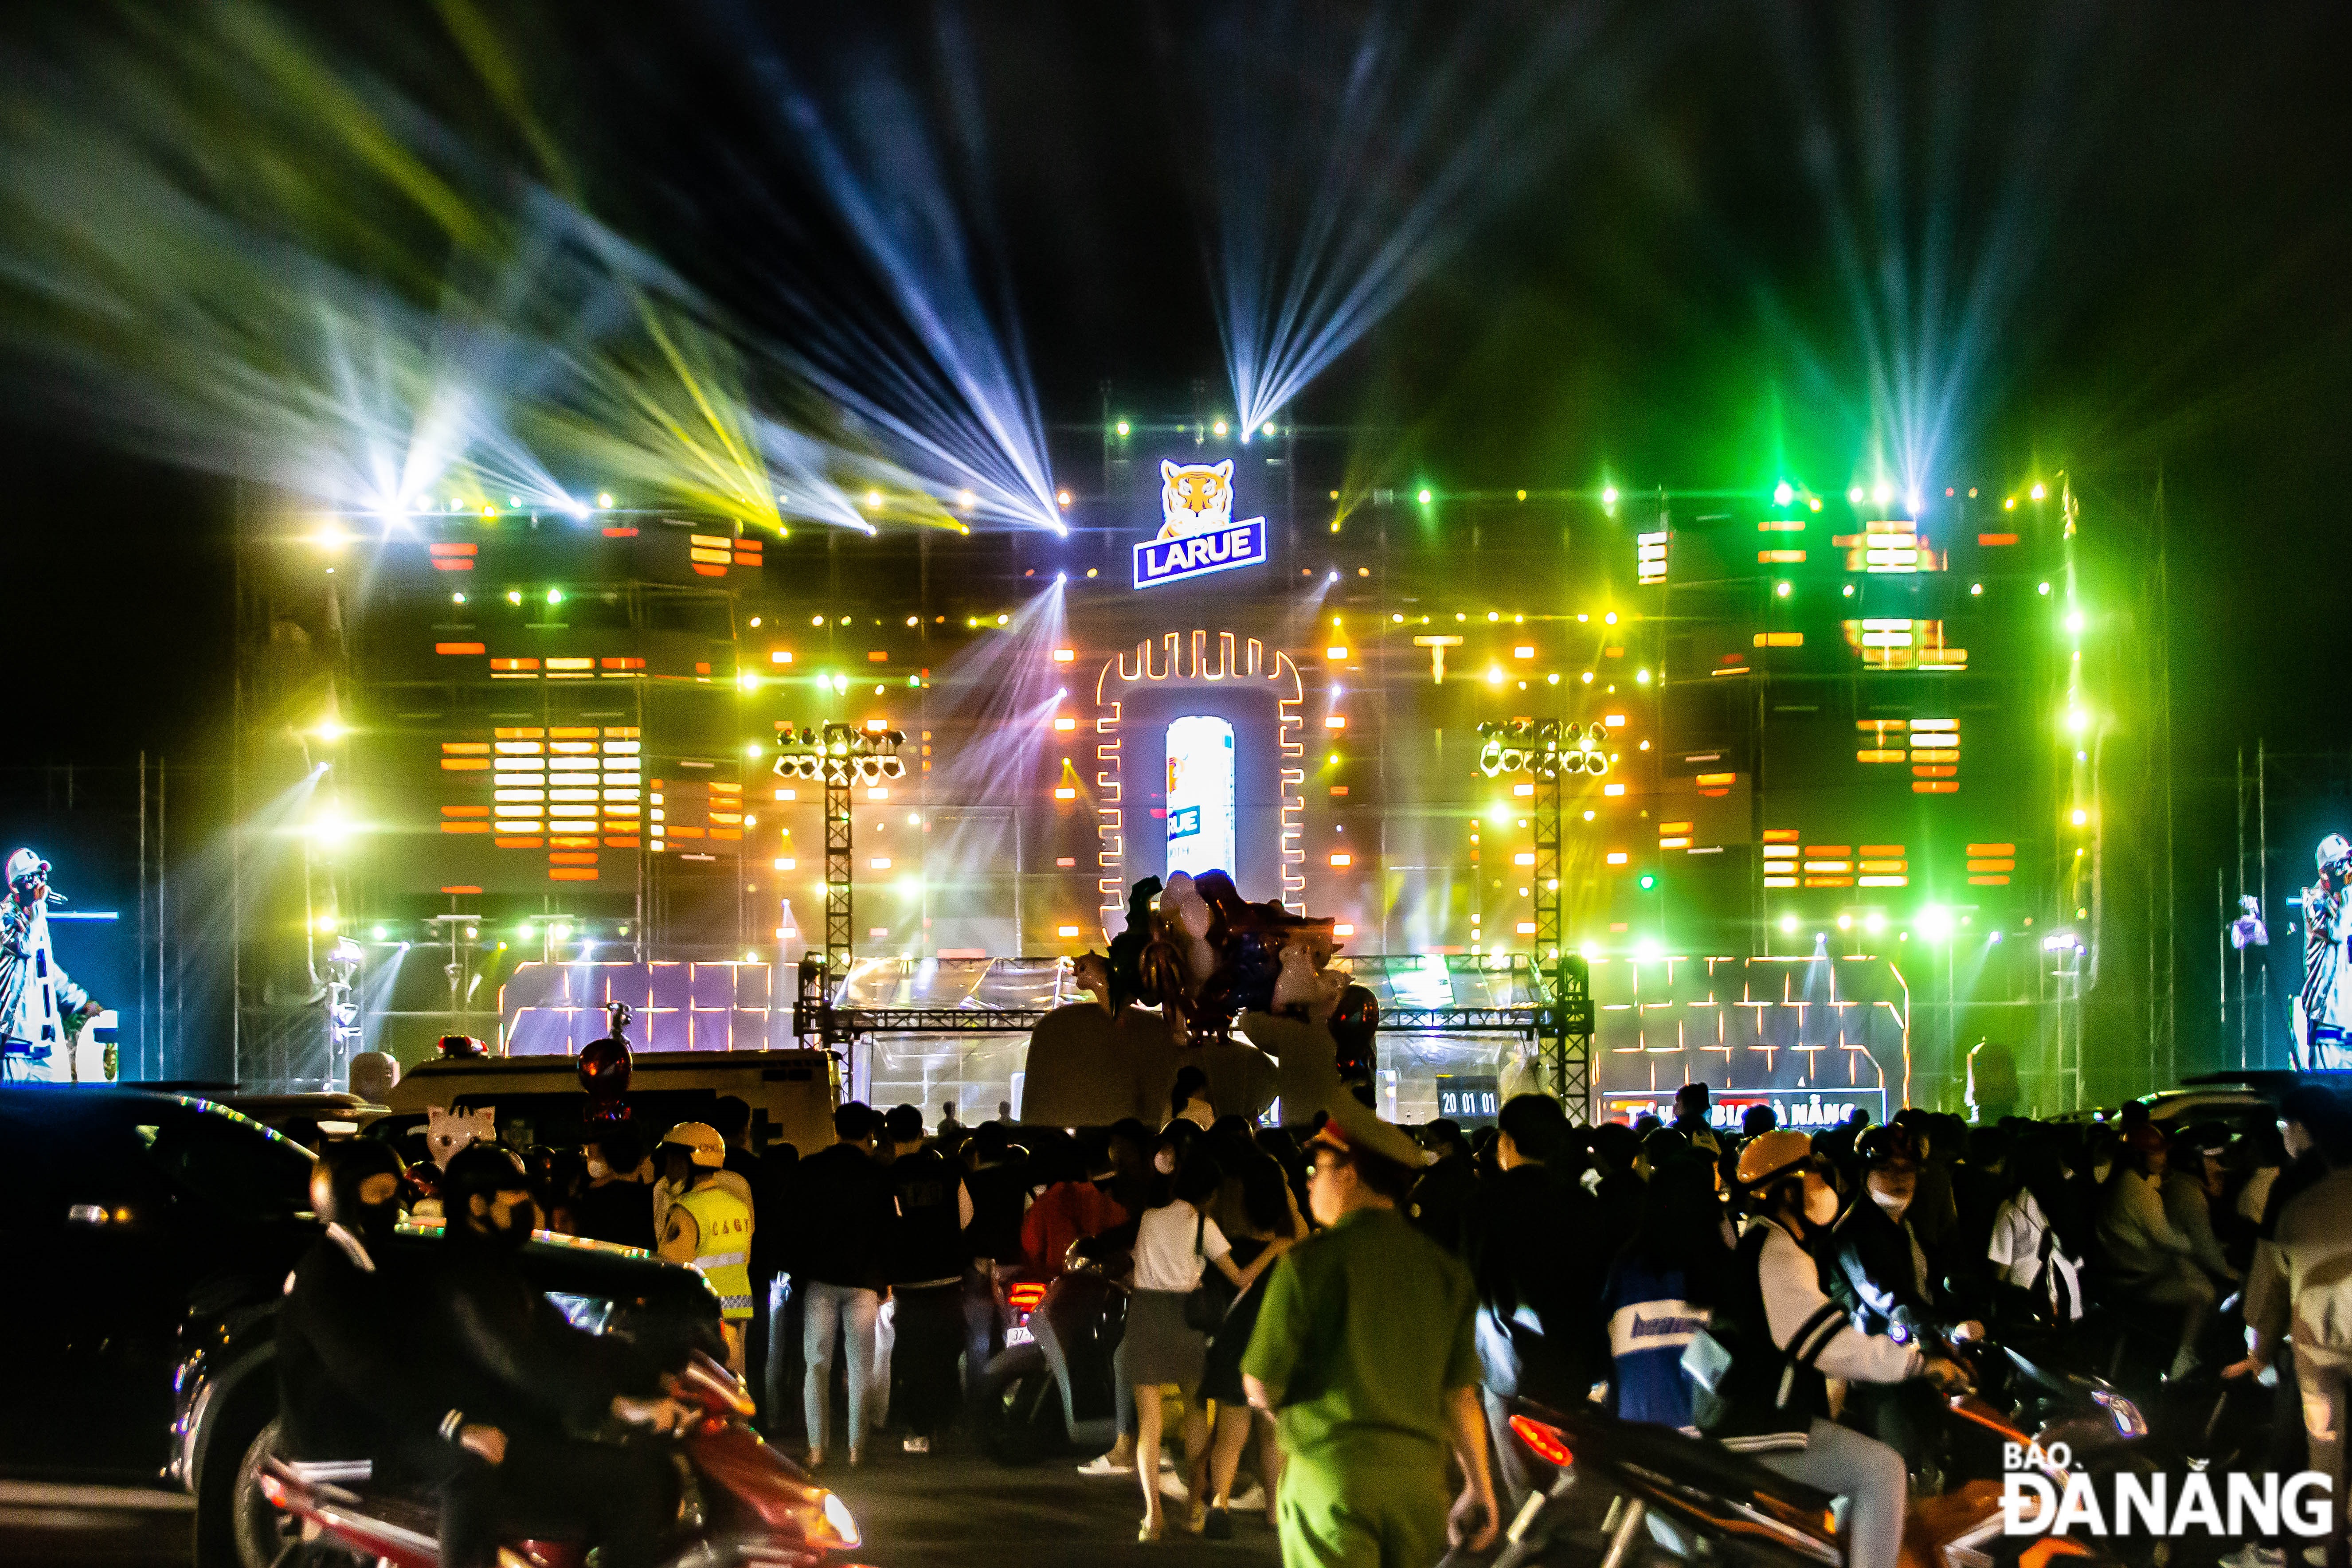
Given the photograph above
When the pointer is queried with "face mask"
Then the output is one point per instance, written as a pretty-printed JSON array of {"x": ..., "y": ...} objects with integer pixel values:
[
  {"x": 1164, "y": 1162},
  {"x": 1821, "y": 1203},
  {"x": 598, "y": 1170}
]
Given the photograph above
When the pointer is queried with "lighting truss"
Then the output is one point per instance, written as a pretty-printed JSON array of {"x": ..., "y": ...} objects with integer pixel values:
[
  {"x": 1548, "y": 752},
  {"x": 843, "y": 756}
]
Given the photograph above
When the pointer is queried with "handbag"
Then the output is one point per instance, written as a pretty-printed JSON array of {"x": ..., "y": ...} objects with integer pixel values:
[{"x": 1206, "y": 1304}]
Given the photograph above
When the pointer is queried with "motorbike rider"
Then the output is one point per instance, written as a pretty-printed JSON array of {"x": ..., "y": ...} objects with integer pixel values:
[
  {"x": 347, "y": 1386},
  {"x": 709, "y": 1227},
  {"x": 524, "y": 1381},
  {"x": 1880, "y": 1274},
  {"x": 1785, "y": 1339}
]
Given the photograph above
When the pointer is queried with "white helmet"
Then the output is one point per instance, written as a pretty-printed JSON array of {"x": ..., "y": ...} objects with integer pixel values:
[
  {"x": 2334, "y": 851},
  {"x": 25, "y": 864}
]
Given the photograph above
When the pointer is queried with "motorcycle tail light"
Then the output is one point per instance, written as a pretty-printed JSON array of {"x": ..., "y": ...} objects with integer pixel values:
[
  {"x": 1026, "y": 1297},
  {"x": 1544, "y": 1442}
]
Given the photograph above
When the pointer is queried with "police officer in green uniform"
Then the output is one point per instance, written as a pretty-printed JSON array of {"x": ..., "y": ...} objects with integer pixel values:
[
  {"x": 709, "y": 1227},
  {"x": 1364, "y": 1352}
]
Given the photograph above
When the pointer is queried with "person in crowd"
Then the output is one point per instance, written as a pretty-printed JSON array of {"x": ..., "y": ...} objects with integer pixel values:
[
  {"x": 949, "y": 1136},
  {"x": 2189, "y": 1187},
  {"x": 1365, "y": 1352},
  {"x": 1693, "y": 1106},
  {"x": 2146, "y": 1259},
  {"x": 935, "y": 1210},
  {"x": 1934, "y": 1211},
  {"x": 1978, "y": 1186},
  {"x": 2311, "y": 1118},
  {"x": 1175, "y": 1243},
  {"x": 1527, "y": 1232},
  {"x": 2263, "y": 1155},
  {"x": 348, "y": 1386},
  {"x": 616, "y": 1206},
  {"x": 1615, "y": 1185},
  {"x": 997, "y": 1176},
  {"x": 1071, "y": 1207},
  {"x": 1269, "y": 1216},
  {"x": 730, "y": 1118},
  {"x": 2297, "y": 1291},
  {"x": 1443, "y": 1195},
  {"x": 1661, "y": 1290},
  {"x": 709, "y": 1227},
  {"x": 1757, "y": 1120},
  {"x": 1880, "y": 1275},
  {"x": 837, "y": 1241},
  {"x": 2037, "y": 1269},
  {"x": 1992, "y": 1081},
  {"x": 520, "y": 1381},
  {"x": 1188, "y": 1098},
  {"x": 1786, "y": 1339}
]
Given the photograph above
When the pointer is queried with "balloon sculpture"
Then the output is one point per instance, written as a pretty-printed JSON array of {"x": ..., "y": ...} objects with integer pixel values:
[{"x": 1206, "y": 956}]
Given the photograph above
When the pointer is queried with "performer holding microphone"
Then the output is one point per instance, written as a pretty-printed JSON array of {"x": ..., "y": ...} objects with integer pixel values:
[{"x": 41, "y": 1007}]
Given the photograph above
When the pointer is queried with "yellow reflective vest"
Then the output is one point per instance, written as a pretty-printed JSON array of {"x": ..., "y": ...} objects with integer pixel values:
[{"x": 724, "y": 1251}]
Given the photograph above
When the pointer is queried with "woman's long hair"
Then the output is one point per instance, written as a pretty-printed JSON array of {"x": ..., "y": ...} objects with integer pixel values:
[{"x": 1681, "y": 1227}]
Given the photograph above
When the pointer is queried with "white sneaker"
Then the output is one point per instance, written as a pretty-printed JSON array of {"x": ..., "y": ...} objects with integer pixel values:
[
  {"x": 916, "y": 1446},
  {"x": 1250, "y": 1501},
  {"x": 1104, "y": 1465}
]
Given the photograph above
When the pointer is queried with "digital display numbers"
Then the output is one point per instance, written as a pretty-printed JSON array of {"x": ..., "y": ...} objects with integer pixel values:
[{"x": 1469, "y": 1099}]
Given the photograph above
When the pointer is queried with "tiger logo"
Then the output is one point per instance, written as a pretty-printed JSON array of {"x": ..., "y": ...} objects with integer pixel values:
[{"x": 1195, "y": 497}]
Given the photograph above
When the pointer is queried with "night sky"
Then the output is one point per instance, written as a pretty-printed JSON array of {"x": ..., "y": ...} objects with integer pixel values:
[{"x": 2114, "y": 237}]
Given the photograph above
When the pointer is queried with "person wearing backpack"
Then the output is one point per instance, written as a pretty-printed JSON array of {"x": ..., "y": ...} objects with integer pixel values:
[
  {"x": 2035, "y": 1270},
  {"x": 1764, "y": 1362}
]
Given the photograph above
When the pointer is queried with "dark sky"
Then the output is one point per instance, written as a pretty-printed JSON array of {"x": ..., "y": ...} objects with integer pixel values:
[{"x": 2134, "y": 218}]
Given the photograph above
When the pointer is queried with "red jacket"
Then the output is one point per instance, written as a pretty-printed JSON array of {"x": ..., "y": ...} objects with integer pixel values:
[{"x": 1068, "y": 1212}]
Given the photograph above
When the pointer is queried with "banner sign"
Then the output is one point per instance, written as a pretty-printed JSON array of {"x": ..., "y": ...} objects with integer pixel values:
[{"x": 1197, "y": 534}]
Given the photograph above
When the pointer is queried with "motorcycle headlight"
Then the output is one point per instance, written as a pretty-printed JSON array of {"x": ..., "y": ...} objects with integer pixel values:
[
  {"x": 2128, "y": 1421},
  {"x": 837, "y": 1519}
]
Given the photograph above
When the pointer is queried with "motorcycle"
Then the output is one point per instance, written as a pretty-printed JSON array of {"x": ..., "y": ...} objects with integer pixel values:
[
  {"x": 744, "y": 1504},
  {"x": 1611, "y": 1479},
  {"x": 1052, "y": 1386}
]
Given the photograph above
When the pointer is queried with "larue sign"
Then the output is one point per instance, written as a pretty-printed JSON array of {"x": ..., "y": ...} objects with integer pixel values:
[{"x": 1197, "y": 534}]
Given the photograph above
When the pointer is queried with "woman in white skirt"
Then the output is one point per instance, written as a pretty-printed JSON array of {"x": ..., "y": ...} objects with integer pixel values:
[{"x": 1175, "y": 1245}]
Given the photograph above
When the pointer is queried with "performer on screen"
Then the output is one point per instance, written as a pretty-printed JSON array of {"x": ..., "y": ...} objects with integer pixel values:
[
  {"x": 40, "y": 1006},
  {"x": 2325, "y": 1009}
]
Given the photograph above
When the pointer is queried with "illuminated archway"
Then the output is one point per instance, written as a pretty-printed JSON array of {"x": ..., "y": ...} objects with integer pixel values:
[{"x": 1220, "y": 672}]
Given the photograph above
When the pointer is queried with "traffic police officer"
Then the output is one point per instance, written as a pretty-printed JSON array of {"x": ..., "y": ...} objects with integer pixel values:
[
  {"x": 710, "y": 1225},
  {"x": 1364, "y": 1352}
]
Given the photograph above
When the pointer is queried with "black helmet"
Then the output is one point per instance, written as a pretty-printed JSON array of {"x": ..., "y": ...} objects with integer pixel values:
[
  {"x": 481, "y": 1169},
  {"x": 348, "y": 1165},
  {"x": 1886, "y": 1147}
]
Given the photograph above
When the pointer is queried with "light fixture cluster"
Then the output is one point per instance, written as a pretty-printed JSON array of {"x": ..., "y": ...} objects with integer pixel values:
[
  {"x": 839, "y": 755},
  {"x": 1546, "y": 749}
]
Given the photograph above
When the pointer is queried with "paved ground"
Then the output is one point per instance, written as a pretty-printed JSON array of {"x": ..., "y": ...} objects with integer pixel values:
[{"x": 933, "y": 1511}]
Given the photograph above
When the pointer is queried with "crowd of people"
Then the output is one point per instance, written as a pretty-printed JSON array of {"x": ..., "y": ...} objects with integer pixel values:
[{"x": 1355, "y": 1308}]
